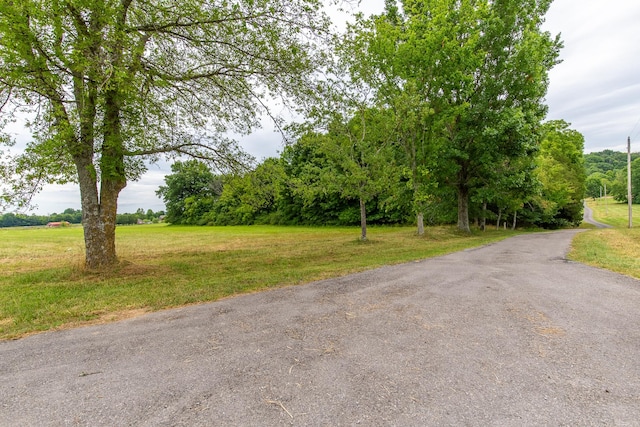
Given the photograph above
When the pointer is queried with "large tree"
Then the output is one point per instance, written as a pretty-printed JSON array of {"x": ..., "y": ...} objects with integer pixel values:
[
  {"x": 190, "y": 191},
  {"x": 493, "y": 72},
  {"x": 468, "y": 79},
  {"x": 388, "y": 58},
  {"x": 113, "y": 84}
]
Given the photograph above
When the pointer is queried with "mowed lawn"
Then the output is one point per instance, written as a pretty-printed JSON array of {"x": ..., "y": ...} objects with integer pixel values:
[
  {"x": 616, "y": 249},
  {"x": 43, "y": 285}
]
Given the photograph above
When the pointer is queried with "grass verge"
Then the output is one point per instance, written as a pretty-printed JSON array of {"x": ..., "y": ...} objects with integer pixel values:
[
  {"x": 608, "y": 211},
  {"x": 43, "y": 287},
  {"x": 616, "y": 249}
]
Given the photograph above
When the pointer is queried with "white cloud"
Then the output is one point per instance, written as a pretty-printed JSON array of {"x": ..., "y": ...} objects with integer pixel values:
[{"x": 597, "y": 87}]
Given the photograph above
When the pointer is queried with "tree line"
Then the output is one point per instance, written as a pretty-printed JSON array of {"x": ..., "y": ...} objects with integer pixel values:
[
  {"x": 309, "y": 185},
  {"x": 432, "y": 111},
  {"x": 74, "y": 216},
  {"x": 443, "y": 99},
  {"x": 607, "y": 175}
]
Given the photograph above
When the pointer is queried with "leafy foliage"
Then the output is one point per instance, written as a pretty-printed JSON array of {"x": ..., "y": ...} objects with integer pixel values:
[
  {"x": 117, "y": 83},
  {"x": 562, "y": 174},
  {"x": 606, "y": 160},
  {"x": 607, "y": 170},
  {"x": 619, "y": 189},
  {"x": 190, "y": 192},
  {"x": 316, "y": 182}
]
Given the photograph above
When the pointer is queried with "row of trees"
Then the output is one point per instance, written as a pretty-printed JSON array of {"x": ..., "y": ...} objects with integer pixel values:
[
  {"x": 457, "y": 86},
  {"x": 434, "y": 106},
  {"x": 313, "y": 182},
  {"x": 74, "y": 216},
  {"x": 452, "y": 90},
  {"x": 607, "y": 174}
]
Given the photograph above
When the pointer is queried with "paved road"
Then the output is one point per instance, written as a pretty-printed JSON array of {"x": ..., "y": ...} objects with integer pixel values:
[
  {"x": 511, "y": 334},
  {"x": 588, "y": 217}
]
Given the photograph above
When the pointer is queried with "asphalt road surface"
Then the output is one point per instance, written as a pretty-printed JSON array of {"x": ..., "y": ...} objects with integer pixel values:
[
  {"x": 511, "y": 334},
  {"x": 588, "y": 217}
]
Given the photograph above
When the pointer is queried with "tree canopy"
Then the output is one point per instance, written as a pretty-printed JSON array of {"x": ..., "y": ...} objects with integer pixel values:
[
  {"x": 467, "y": 79},
  {"x": 110, "y": 85},
  {"x": 607, "y": 175}
]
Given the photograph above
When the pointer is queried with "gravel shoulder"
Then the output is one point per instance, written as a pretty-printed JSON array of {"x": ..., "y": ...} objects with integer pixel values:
[{"x": 510, "y": 334}]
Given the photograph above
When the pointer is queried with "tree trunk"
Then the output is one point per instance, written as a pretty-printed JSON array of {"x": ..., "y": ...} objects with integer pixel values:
[
  {"x": 100, "y": 231},
  {"x": 463, "y": 209},
  {"x": 416, "y": 190},
  {"x": 499, "y": 217},
  {"x": 99, "y": 211},
  {"x": 515, "y": 216},
  {"x": 420, "y": 221},
  {"x": 363, "y": 220},
  {"x": 98, "y": 217},
  {"x": 483, "y": 223}
]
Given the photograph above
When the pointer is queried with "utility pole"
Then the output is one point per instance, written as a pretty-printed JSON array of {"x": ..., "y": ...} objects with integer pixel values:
[
  {"x": 629, "y": 195},
  {"x": 606, "y": 204}
]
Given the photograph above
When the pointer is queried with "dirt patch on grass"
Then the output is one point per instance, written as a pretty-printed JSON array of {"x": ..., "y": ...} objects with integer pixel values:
[{"x": 104, "y": 318}]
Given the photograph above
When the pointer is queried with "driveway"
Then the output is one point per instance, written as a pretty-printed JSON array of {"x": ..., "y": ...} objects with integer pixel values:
[
  {"x": 588, "y": 217},
  {"x": 511, "y": 334}
]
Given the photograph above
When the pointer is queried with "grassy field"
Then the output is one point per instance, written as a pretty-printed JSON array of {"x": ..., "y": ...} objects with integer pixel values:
[
  {"x": 608, "y": 211},
  {"x": 616, "y": 249},
  {"x": 43, "y": 285}
]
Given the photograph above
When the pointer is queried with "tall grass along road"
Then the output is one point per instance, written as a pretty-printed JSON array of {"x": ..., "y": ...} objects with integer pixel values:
[{"x": 616, "y": 248}]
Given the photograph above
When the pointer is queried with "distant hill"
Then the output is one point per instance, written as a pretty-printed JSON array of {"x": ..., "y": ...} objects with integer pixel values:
[{"x": 607, "y": 160}]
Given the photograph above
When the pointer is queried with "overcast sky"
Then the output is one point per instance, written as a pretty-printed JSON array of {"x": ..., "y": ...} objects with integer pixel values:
[{"x": 596, "y": 88}]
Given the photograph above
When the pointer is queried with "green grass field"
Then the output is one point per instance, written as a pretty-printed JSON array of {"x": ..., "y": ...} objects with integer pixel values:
[
  {"x": 608, "y": 211},
  {"x": 616, "y": 249},
  {"x": 43, "y": 285}
]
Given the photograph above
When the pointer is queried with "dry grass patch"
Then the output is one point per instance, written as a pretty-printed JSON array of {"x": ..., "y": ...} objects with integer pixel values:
[{"x": 616, "y": 249}]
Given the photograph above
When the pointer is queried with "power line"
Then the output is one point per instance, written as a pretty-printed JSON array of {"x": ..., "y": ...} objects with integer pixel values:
[{"x": 635, "y": 129}]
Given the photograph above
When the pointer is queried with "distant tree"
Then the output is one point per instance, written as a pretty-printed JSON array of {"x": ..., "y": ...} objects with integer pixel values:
[
  {"x": 606, "y": 161},
  {"x": 304, "y": 200},
  {"x": 126, "y": 219},
  {"x": 619, "y": 186},
  {"x": 189, "y": 192},
  {"x": 595, "y": 185},
  {"x": 249, "y": 197},
  {"x": 21, "y": 220}
]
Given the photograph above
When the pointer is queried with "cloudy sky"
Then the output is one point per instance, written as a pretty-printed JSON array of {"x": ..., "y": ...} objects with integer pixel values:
[{"x": 596, "y": 88}]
